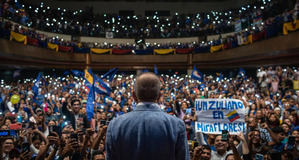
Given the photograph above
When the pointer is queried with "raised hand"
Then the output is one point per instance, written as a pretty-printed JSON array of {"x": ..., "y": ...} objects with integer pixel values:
[{"x": 26, "y": 155}]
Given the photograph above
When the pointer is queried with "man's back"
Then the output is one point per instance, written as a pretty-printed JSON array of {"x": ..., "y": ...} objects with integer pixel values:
[{"x": 146, "y": 133}]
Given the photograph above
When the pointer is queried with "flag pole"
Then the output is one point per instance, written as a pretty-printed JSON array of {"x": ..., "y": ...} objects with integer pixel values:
[
  {"x": 190, "y": 64},
  {"x": 87, "y": 60}
]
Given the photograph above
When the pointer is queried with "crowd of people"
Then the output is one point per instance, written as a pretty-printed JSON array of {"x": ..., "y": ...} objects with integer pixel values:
[
  {"x": 86, "y": 23},
  {"x": 262, "y": 20},
  {"x": 53, "y": 124}
]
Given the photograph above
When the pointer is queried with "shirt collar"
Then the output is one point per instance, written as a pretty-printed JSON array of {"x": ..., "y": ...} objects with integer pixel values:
[{"x": 143, "y": 106}]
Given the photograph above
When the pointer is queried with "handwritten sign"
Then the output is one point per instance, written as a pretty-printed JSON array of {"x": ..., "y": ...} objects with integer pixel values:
[{"x": 215, "y": 115}]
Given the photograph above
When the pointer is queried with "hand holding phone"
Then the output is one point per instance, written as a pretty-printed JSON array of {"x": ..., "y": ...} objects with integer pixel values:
[
  {"x": 103, "y": 122},
  {"x": 26, "y": 155},
  {"x": 25, "y": 147},
  {"x": 259, "y": 156},
  {"x": 89, "y": 132},
  {"x": 197, "y": 152},
  {"x": 74, "y": 141},
  {"x": 53, "y": 138},
  {"x": 55, "y": 129},
  {"x": 264, "y": 125},
  {"x": 263, "y": 120},
  {"x": 74, "y": 136},
  {"x": 291, "y": 143},
  {"x": 224, "y": 135},
  {"x": 195, "y": 144}
]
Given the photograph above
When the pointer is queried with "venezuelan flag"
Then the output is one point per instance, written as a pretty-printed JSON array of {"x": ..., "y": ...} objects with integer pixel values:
[
  {"x": 232, "y": 116},
  {"x": 88, "y": 76}
]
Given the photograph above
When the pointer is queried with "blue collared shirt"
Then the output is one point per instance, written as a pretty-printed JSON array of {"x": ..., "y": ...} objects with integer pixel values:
[{"x": 147, "y": 133}]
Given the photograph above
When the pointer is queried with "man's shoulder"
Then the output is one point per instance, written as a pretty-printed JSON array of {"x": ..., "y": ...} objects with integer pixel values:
[
  {"x": 216, "y": 156},
  {"x": 143, "y": 115},
  {"x": 121, "y": 119},
  {"x": 173, "y": 118},
  {"x": 123, "y": 116}
]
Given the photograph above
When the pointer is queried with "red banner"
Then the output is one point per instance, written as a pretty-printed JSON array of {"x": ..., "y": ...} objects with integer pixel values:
[
  {"x": 121, "y": 51},
  {"x": 184, "y": 50},
  {"x": 258, "y": 36},
  {"x": 32, "y": 41},
  {"x": 66, "y": 49},
  {"x": 228, "y": 45}
]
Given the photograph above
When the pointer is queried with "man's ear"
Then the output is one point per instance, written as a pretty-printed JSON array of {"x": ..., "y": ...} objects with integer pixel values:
[
  {"x": 159, "y": 96},
  {"x": 135, "y": 97}
]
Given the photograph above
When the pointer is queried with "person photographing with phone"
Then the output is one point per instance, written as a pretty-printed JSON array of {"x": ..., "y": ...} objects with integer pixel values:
[
  {"x": 264, "y": 133},
  {"x": 202, "y": 153},
  {"x": 74, "y": 115},
  {"x": 225, "y": 147}
]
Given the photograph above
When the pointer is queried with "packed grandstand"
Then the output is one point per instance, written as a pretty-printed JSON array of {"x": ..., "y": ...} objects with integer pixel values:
[
  {"x": 234, "y": 28},
  {"x": 64, "y": 114}
]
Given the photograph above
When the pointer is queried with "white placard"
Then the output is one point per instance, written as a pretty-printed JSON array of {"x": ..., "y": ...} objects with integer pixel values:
[{"x": 215, "y": 115}]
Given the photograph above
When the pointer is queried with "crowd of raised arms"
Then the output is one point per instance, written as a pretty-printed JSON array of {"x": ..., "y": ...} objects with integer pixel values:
[
  {"x": 264, "y": 17},
  {"x": 51, "y": 123}
]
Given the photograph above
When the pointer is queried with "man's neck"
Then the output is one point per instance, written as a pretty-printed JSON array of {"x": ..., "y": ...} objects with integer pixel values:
[{"x": 221, "y": 153}]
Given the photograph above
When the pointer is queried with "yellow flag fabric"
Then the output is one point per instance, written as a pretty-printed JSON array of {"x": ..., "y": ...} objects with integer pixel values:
[
  {"x": 290, "y": 26},
  {"x": 164, "y": 51},
  {"x": 18, "y": 37},
  {"x": 88, "y": 76},
  {"x": 249, "y": 40},
  {"x": 53, "y": 46},
  {"x": 100, "y": 51},
  {"x": 296, "y": 84},
  {"x": 216, "y": 48}
]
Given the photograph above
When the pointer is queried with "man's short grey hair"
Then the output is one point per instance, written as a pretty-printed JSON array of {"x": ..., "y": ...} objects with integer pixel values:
[{"x": 147, "y": 87}]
